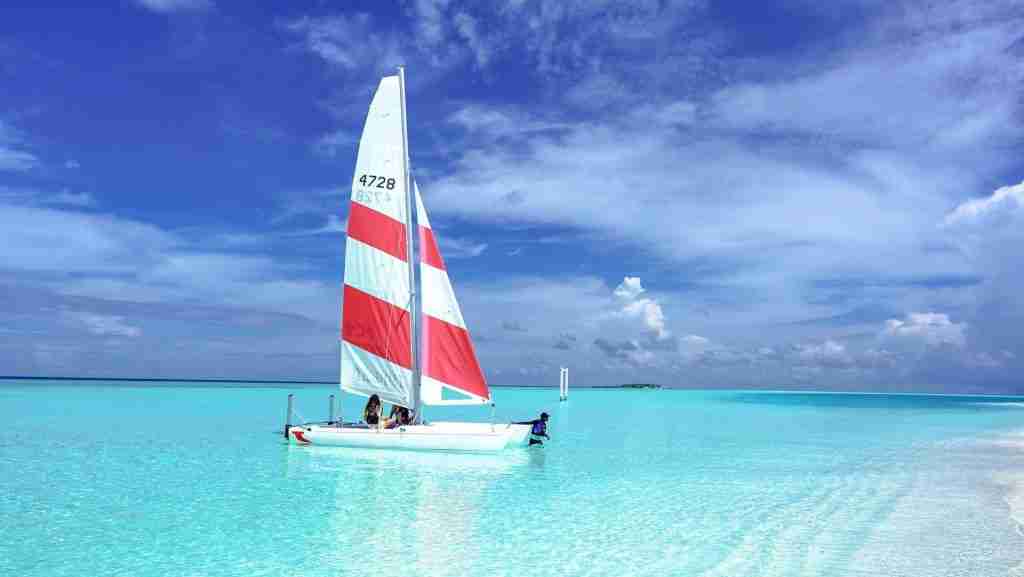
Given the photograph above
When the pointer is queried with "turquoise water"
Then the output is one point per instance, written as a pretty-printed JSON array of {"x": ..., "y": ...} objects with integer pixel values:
[{"x": 171, "y": 480}]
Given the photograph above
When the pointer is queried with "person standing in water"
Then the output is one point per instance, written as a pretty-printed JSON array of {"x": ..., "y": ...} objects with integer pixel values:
[{"x": 538, "y": 429}]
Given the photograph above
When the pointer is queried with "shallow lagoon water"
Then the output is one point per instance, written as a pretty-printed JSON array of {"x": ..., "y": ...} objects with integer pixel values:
[{"x": 175, "y": 480}]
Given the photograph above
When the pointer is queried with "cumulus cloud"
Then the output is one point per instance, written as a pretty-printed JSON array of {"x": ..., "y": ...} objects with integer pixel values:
[
  {"x": 1003, "y": 200},
  {"x": 934, "y": 329},
  {"x": 646, "y": 309},
  {"x": 648, "y": 342},
  {"x": 860, "y": 178}
]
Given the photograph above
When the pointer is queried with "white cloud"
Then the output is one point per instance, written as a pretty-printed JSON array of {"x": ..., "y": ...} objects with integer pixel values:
[
  {"x": 469, "y": 30},
  {"x": 13, "y": 157},
  {"x": 779, "y": 182},
  {"x": 25, "y": 197},
  {"x": 430, "y": 22},
  {"x": 171, "y": 6},
  {"x": 934, "y": 329},
  {"x": 305, "y": 203},
  {"x": 828, "y": 353},
  {"x": 695, "y": 340},
  {"x": 43, "y": 239},
  {"x": 694, "y": 347},
  {"x": 334, "y": 225},
  {"x": 674, "y": 114},
  {"x": 104, "y": 325},
  {"x": 330, "y": 144},
  {"x": 629, "y": 288},
  {"x": 72, "y": 165},
  {"x": 905, "y": 92},
  {"x": 495, "y": 123},
  {"x": 557, "y": 36},
  {"x": 630, "y": 351},
  {"x": 598, "y": 90},
  {"x": 103, "y": 256},
  {"x": 68, "y": 198},
  {"x": 1005, "y": 199},
  {"x": 646, "y": 309},
  {"x": 456, "y": 248},
  {"x": 17, "y": 160},
  {"x": 352, "y": 42}
]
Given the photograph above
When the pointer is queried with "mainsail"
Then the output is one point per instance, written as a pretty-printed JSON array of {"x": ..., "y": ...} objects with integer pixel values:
[
  {"x": 376, "y": 330},
  {"x": 447, "y": 357}
]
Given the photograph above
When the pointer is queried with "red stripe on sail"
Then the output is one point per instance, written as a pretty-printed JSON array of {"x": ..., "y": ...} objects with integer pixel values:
[
  {"x": 429, "y": 253},
  {"x": 449, "y": 357},
  {"x": 376, "y": 326},
  {"x": 377, "y": 230}
]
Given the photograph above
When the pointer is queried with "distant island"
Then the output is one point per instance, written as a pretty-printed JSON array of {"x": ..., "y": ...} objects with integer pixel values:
[{"x": 639, "y": 386}]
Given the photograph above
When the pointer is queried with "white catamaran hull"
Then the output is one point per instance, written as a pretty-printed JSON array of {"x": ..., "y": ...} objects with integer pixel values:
[{"x": 437, "y": 436}]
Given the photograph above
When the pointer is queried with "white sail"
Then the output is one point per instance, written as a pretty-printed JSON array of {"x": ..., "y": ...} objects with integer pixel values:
[
  {"x": 376, "y": 324},
  {"x": 448, "y": 359}
]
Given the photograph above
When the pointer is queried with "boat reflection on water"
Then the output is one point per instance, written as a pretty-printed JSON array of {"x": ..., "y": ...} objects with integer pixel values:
[
  {"x": 398, "y": 510},
  {"x": 460, "y": 464}
]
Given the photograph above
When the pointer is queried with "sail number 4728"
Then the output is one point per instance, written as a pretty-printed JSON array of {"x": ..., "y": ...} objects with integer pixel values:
[{"x": 373, "y": 181}]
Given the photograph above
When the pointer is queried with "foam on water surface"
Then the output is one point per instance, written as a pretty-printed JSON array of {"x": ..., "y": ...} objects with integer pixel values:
[{"x": 172, "y": 480}]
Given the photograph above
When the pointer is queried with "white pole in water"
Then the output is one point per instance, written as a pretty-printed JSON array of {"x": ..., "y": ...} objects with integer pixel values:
[
  {"x": 288, "y": 418},
  {"x": 330, "y": 418},
  {"x": 563, "y": 384}
]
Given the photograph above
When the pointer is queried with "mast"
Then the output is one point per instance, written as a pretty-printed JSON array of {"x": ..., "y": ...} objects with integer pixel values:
[{"x": 415, "y": 329}]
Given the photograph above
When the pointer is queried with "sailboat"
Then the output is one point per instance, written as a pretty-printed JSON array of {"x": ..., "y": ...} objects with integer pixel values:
[{"x": 389, "y": 346}]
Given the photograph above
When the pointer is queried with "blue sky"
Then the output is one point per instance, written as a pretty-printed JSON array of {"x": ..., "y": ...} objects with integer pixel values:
[{"x": 797, "y": 195}]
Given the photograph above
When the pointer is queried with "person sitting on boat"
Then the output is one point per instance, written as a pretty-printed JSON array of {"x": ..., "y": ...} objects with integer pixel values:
[
  {"x": 372, "y": 412},
  {"x": 399, "y": 417},
  {"x": 538, "y": 429}
]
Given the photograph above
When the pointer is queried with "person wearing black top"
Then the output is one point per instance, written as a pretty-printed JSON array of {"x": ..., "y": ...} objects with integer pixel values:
[{"x": 372, "y": 412}]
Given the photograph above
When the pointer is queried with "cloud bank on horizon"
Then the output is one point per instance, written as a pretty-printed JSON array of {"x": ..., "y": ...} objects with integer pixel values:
[{"x": 641, "y": 191}]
